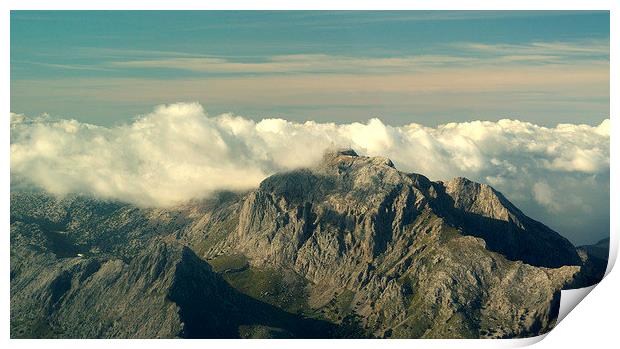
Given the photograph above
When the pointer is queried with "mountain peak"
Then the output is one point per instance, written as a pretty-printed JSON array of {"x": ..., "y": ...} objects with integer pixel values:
[
  {"x": 461, "y": 181},
  {"x": 481, "y": 199},
  {"x": 346, "y": 151},
  {"x": 350, "y": 156}
]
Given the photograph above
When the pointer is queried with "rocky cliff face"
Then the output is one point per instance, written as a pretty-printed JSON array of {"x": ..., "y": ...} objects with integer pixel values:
[
  {"x": 350, "y": 248},
  {"x": 369, "y": 204}
]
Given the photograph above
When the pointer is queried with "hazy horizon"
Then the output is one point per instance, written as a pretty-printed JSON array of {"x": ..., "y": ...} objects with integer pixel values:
[{"x": 428, "y": 67}]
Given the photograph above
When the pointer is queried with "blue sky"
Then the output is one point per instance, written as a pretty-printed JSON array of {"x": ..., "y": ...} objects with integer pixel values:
[{"x": 409, "y": 66}]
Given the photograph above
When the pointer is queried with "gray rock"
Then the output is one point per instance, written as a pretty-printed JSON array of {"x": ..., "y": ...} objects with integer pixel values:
[
  {"x": 164, "y": 292},
  {"x": 350, "y": 248},
  {"x": 419, "y": 256}
]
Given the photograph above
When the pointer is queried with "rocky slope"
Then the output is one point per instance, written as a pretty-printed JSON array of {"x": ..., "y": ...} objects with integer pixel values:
[
  {"x": 164, "y": 292},
  {"x": 594, "y": 261},
  {"x": 350, "y": 248}
]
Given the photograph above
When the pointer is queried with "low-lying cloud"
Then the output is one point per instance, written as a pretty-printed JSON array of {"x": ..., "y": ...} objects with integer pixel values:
[{"x": 559, "y": 175}]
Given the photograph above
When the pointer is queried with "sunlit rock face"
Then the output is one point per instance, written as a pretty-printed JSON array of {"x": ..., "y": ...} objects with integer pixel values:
[{"x": 351, "y": 247}]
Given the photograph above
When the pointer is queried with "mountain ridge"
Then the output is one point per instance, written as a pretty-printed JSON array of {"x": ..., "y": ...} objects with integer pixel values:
[{"x": 368, "y": 250}]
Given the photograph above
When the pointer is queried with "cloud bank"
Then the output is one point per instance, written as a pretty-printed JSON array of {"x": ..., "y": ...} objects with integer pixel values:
[{"x": 558, "y": 175}]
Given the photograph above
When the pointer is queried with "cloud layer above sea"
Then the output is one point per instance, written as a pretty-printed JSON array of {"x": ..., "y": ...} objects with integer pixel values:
[{"x": 178, "y": 152}]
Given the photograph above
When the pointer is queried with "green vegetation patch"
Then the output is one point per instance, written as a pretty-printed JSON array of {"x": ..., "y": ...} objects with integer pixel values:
[
  {"x": 338, "y": 308},
  {"x": 281, "y": 288},
  {"x": 229, "y": 263}
]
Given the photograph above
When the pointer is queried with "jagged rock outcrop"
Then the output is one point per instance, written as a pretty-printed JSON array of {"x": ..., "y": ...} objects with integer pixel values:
[
  {"x": 401, "y": 244},
  {"x": 365, "y": 249},
  {"x": 483, "y": 212}
]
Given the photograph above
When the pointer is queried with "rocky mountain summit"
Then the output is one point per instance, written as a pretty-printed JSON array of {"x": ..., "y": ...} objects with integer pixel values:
[{"x": 349, "y": 248}]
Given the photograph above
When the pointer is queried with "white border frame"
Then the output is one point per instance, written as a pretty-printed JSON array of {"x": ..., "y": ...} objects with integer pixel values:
[{"x": 597, "y": 317}]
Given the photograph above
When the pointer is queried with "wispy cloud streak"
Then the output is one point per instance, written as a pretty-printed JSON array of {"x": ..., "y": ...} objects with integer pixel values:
[{"x": 469, "y": 55}]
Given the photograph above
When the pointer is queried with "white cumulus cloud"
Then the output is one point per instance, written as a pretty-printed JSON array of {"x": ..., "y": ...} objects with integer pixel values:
[{"x": 559, "y": 175}]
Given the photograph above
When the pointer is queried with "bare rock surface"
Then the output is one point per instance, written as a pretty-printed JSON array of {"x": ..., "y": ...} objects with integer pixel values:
[
  {"x": 164, "y": 292},
  {"x": 350, "y": 248}
]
